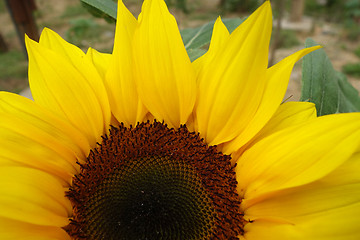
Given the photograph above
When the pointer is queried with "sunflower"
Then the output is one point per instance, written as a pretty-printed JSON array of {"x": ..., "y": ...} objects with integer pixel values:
[{"x": 144, "y": 144}]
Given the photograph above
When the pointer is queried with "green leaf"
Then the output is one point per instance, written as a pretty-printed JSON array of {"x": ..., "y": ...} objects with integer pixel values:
[
  {"x": 101, "y": 8},
  {"x": 198, "y": 37},
  {"x": 195, "y": 53},
  {"x": 327, "y": 88}
]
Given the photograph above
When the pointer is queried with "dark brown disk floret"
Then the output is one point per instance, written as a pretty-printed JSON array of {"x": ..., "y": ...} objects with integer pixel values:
[{"x": 153, "y": 182}]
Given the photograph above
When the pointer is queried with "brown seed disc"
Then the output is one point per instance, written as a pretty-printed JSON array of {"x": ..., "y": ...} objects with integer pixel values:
[{"x": 152, "y": 182}]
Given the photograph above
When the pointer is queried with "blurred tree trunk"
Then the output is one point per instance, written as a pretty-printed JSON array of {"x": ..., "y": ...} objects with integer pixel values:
[
  {"x": 297, "y": 10},
  {"x": 21, "y": 12},
  {"x": 3, "y": 45}
]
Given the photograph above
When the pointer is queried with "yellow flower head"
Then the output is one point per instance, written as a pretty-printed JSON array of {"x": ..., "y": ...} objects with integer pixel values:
[{"x": 144, "y": 144}]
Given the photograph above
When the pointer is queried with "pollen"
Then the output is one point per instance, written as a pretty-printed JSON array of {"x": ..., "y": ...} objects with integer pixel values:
[{"x": 154, "y": 182}]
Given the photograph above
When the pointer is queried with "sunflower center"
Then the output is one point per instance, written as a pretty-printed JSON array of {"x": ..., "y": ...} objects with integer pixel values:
[
  {"x": 152, "y": 182},
  {"x": 151, "y": 198}
]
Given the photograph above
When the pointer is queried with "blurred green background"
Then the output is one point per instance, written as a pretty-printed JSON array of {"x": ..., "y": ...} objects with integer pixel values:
[{"x": 333, "y": 23}]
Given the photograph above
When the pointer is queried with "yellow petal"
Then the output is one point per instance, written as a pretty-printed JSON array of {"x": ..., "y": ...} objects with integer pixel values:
[
  {"x": 298, "y": 155},
  {"x": 100, "y": 60},
  {"x": 76, "y": 56},
  {"x": 26, "y": 144},
  {"x": 60, "y": 87},
  {"x": 232, "y": 85},
  {"x": 164, "y": 75},
  {"x": 18, "y": 230},
  {"x": 275, "y": 88},
  {"x": 33, "y": 196},
  {"x": 31, "y": 113},
  {"x": 287, "y": 115},
  {"x": 338, "y": 189},
  {"x": 347, "y": 173},
  {"x": 219, "y": 37},
  {"x": 326, "y": 209},
  {"x": 270, "y": 230},
  {"x": 125, "y": 103},
  {"x": 339, "y": 224},
  {"x": 51, "y": 40}
]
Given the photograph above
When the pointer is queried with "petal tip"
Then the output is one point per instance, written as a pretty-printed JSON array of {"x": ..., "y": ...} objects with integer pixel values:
[{"x": 29, "y": 43}]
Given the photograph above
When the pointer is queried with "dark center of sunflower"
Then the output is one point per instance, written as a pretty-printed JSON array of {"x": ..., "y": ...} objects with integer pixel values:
[{"x": 152, "y": 182}]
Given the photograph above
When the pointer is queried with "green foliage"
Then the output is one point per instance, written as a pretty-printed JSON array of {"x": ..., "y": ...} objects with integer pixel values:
[
  {"x": 196, "y": 38},
  {"x": 352, "y": 31},
  {"x": 332, "y": 10},
  {"x": 344, "y": 12},
  {"x": 82, "y": 29},
  {"x": 352, "y": 69},
  {"x": 101, "y": 8},
  {"x": 2, "y": 6},
  {"x": 352, "y": 8},
  {"x": 13, "y": 65},
  {"x": 357, "y": 52},
  {"x": 327, "y": 88},
  {"x": 200, "y": 36},
  {"x": 195, "y": 53},
  {"x": 239, "y": 5},
  {"x": 312, "y": 6},
  {"x": 74, "y": 11},
  {"x": 352, "y": 19}
]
